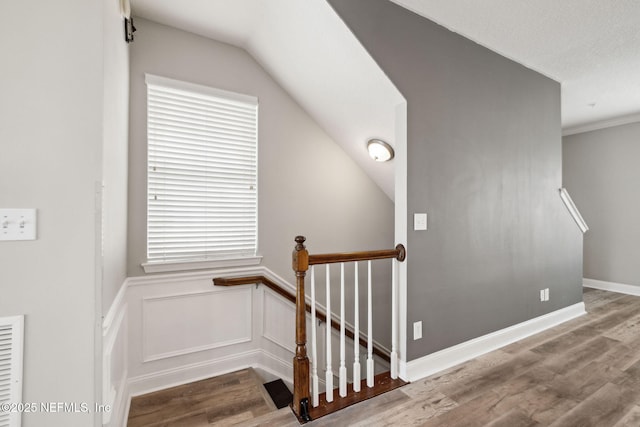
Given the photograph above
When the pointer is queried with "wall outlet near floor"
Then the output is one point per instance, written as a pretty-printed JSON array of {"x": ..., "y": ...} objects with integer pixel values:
[
  {"x": 417, "y": 330},
  {"x": 544, "y": 294}
]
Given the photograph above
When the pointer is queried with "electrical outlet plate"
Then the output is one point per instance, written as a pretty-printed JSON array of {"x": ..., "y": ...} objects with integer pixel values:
[
  {"x": 417, "y": 330},
  {"x": 544, "y": 294},
  {"x": 17, "y": 224}
]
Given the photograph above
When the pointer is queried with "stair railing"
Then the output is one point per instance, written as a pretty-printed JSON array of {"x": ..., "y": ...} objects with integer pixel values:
[{"x": 306, "y": 397}]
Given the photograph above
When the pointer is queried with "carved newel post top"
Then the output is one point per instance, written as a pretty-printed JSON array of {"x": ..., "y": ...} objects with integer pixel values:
[
  {"x": 300, "y": 242},
  {"x": 300, "y": 256}
]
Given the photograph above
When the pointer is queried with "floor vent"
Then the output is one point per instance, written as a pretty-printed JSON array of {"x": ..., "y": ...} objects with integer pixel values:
[
  {"x": 11, "y": 346},
  {"x": 279, "y": 393}
]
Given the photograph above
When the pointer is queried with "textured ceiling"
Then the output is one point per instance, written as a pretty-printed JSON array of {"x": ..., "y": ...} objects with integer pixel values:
[{"x": 592, "y": 47}]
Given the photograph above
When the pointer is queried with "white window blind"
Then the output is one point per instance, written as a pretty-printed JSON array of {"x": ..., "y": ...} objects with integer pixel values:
[{"x": 202, "y": 172}]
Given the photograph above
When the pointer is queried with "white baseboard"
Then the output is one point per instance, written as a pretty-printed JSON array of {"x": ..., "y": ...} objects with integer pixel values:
[
  {"x": 160, "y": 380},
  {"x": 452, "y": 356},
  {"x": 611, "y": 286},
  {"x": 277, "y": 367}
]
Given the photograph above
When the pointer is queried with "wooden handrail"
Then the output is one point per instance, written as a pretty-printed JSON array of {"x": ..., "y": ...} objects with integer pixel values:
[
  {"x": 398, "y": 253},
  {"x": 250, "y": 280}
]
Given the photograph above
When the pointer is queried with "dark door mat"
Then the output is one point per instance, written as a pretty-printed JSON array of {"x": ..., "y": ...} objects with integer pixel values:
[{"x": 279, "y": 393}]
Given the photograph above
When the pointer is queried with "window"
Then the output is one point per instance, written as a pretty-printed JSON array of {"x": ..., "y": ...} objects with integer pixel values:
[{"x": 201, "y": 177}]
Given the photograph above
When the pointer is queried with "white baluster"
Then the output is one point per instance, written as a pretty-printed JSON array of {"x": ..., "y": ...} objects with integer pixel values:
[
  {"x": 394, "y": 321},
  {"x": 343, "y": 368},
  {"x": 370, "y": 367},
  {"x": 315, "y": 399},
  {"x": 356, "y": 335},
  {"x": 329, "y": 371}
]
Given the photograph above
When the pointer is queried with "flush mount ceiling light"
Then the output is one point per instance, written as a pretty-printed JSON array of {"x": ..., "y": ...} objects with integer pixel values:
[{"x": 379, "y": 150}]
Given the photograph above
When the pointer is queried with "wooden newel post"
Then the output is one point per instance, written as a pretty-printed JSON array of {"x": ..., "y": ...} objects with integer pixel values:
[{"x": 301, "y": 396}]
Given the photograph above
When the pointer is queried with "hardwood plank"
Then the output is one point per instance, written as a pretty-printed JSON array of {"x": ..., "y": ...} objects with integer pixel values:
[
  {"x": 580, "y": 355},
  {"x": 464, "y": 391},
  {"x": 281, "y": 418},
  {"x": 514, "y": 418},
  {"x": 202, "y": 402},
  {"x": 605, "y": 407},
  {"x": 371, "y": 409},
  {"x": 531, "y": 394},
  {"x": 475, "y": 413},
  {"x": 411, "y": 413},
  {"x": 631, "y": 419},
  {"x": 457, "y": 374}
]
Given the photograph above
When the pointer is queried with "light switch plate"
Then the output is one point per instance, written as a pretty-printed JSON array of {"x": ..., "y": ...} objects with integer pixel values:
[
  {"x": 17, "y": 224},
  {"x": 419, "y": 221}
]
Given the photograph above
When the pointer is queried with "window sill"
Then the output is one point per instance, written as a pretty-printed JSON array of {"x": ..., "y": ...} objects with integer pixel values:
[{"x": 163, "y": 267}]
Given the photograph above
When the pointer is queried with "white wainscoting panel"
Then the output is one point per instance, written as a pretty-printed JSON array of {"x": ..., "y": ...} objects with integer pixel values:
[
  {"x": 114, "y": 361},
  {"x": 279, "y": 320},
  {"x": 179, "y": 324},
  {"x": 180, "y": 328}
]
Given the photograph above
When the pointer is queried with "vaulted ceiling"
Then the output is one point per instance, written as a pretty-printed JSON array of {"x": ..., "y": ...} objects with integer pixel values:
[
  {"x": 310, "y": 52},
  {"x": 592, "y": 47}
]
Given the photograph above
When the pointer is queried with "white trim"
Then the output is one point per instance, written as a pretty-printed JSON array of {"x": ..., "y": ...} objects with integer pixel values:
[
  {"x": 401, "y": 226},
  {"x": 573, "y": 210},
  {"x": 121, "y": 411},
  {"x": 290, "y": 346},
  {"x": 209, "y": 274},
  {"x": 611, "y": 286},
  {"x": 449, "y": 357},
  {"x": 602, "y": 124},
  {"x": 276, "y": 366},
  {"x": 112, "y": 326},
  {"x": 116, "y": 307},
  {"x": 109, "y": 337},
  {"x": 160, "y": 380},
  {"x": 169, "y": 266}
]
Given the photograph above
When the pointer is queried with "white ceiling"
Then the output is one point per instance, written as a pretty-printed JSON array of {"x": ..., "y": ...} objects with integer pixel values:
[{"x": 592, "y": 47}]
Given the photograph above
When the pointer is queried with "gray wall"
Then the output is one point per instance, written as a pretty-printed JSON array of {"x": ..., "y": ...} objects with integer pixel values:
[
  {"x": 602, "y": 175},
  {"x": 307, "y": 184},
  {"x": 484, "y": 161},
  {"x": 51, "y": 138}
]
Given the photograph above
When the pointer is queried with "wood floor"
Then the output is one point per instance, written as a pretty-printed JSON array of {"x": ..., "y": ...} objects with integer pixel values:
[
  {"x": 585, "y": 372},
  {"x": 220, "y": 401}
]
